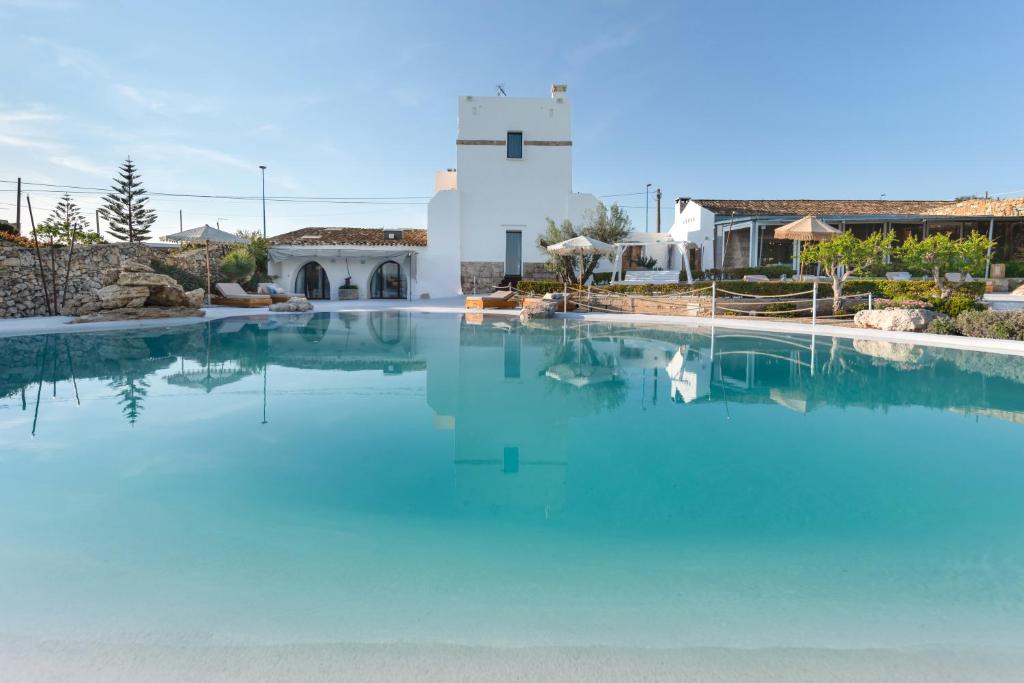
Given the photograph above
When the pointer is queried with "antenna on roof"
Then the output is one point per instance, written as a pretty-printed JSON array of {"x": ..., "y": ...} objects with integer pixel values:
[{"x": 501, "y": 90}]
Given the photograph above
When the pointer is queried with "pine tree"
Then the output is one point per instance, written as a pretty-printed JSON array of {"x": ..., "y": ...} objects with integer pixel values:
[
  {"x": 66, "y": 222},
  {"x": 125, "y": 208}
]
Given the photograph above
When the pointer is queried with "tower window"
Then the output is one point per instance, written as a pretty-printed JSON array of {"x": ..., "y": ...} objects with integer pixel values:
[{"x": 514, "y": 146}]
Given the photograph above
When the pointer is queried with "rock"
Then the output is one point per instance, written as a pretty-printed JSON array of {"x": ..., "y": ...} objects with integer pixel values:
[
  {"x": 537, "y": 312},
  {"x": 196, "y": 297},
  {"x": 296, "y": 304},
  {"x": 167, "y": 296},
  {"x": 137, "y": 279},
  {"x": 120, "y": 296},
  {"x": 895, "y": 319},
  {"x": 140, "y": 314},
  {"x": 130, "y": 266},
  {"x": 890, "y": 351}
]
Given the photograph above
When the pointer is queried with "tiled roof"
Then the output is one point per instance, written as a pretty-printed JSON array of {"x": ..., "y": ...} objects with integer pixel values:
[
  {"x": 352, "y": 237},
  {"x": 821, "y": 207},
  {"x": 1009, "y": 206}
]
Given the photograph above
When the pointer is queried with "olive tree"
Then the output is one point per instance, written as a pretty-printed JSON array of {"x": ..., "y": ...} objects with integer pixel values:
[
  {"x": 847, "y": 255},
  {"x": 938, "y": 254},
  {"x": 607, "y": 224}
]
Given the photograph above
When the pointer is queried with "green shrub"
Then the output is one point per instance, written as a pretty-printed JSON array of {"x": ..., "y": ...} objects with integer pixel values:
[
  {"x": 942, "y": 326},
  {"x": 602, "y": 278},
  {"x": 780, "y": 310},
  {"x": 1015, "y": 269},
  {"x": 730, "y": 273},
  {"x": 184, "y": 278},
  {"x": 992, "y": 324},
  {"x": 238, "y": 265},
  {"x": 956, "y": 304}
]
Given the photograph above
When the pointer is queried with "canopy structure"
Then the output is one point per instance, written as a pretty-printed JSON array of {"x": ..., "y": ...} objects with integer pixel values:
[
  {"x": 206, "y": 233},
  {"x": 581, "y": 246},
  {"x": 807, "y": 229}
]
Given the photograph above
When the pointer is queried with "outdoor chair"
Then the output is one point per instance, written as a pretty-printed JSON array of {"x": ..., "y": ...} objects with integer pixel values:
[
  {"x": 277, "y": 293},
  {"x": 232, "y": 294},
  {"x": 501, "y": 299},
  {"x": 897, "y": 275}
]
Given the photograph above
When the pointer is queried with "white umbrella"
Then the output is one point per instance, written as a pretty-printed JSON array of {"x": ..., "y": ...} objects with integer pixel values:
[
  {"x": 581, "y": 246},
  {"x": 207, "y": 234}
]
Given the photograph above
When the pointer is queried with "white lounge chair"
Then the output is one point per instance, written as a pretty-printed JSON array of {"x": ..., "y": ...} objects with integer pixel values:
[
  {"x": 651, "y": 277},
  {"x": 755, "y": 278},
  {"x": 897, "y": 275},
  {"x": 959, "y": 277}
]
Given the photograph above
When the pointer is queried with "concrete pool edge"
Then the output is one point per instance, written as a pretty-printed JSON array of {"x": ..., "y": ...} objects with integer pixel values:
[
  {"x": 24, "y": 659},
  {"x": 10, "y": 327}
]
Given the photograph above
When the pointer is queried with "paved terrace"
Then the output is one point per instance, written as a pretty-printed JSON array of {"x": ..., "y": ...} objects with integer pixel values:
[{"x": 60, "y": 324}]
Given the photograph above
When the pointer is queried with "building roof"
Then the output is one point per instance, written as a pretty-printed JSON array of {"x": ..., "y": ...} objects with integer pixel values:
[
  {"x": 1008, "y": 206},
  {"x": 823, "y": 207},
  {"x": 352, "y": 237}
]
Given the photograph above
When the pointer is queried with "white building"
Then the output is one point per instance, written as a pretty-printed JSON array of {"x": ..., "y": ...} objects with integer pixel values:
[{"x": 514, "y": 172}]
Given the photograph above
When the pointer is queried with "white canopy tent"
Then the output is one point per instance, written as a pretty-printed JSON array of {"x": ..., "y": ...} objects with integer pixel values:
[{"x": 682, "y": 245}]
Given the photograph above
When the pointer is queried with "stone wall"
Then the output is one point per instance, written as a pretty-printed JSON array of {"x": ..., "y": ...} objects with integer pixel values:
[
  {"x": 93, "y": 266},
  {"x": 483, "y": 276}
]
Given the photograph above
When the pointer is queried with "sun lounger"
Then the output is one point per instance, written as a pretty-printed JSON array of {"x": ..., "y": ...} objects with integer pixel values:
[
  {"x": 755, "y": 278},
  {"x": 897, "y": 275},
  {"x": 500, "y": 299},
  {"x": 232, "y": 294},
  {"x": 959, "y": 277},
  {"x": 276, "y": 293}
]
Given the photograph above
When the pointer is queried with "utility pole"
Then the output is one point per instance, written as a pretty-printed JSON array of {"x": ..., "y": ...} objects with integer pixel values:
[
  {"x": 98, "y": 221},
  {"x": 181, "y": 222},
  {"x": 657, "y": 201},
  {"x": 17, "y": 212},
  {"x": 263, "y": 181},
  {"x": 647, "y": 207}
]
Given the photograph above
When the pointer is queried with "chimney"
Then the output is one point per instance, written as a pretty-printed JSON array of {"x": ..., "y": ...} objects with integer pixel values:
[{"x": 558, "y": 90}]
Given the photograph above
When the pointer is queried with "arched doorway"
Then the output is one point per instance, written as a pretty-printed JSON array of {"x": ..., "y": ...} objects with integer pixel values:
[
  {"x": 388, "y": 281},
  {"x": 312, "y": 281}
]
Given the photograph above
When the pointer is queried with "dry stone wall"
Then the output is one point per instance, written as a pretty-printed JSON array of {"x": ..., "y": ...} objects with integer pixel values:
[{"x": 93, "y": 267}]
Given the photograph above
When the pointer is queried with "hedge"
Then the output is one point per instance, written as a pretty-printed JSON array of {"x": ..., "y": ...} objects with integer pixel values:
[
  {"x": 1015, "y": 269},
  {"x": 887, "y": 289},
  {"x": 988, "y": 324}
]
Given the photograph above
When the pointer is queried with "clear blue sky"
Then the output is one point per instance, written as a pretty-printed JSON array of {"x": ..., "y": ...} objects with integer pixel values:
[{"x": 813, "y": 99}]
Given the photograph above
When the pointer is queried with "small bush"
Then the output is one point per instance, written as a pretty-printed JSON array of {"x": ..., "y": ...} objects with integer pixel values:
[
  {"x": 780, "y": 310},
  {"x": 992, "y": 324},
  {"x": 943, "y": 326},
  {"x": 238, "y": 265},
  {"x": 602, "y": 278},
  {"x": 956, "y": 304},
  {"x": 1015, "y": 269}
]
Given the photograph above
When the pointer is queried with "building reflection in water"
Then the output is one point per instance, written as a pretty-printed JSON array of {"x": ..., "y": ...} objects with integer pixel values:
[{"x": 508, "y": 395}]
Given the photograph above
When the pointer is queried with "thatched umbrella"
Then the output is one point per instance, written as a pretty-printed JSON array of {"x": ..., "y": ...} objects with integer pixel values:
[
  {"x": 205, "y": 234},
  {"x": 806, "y": 229},
  {"x": 581, "y": 246}
]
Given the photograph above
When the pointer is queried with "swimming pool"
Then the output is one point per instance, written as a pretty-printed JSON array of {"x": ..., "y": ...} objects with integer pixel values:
[{"x": 436, "y": 478}]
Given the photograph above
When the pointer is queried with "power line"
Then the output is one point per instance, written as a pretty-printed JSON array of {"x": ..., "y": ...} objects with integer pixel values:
[{"x": 390, "y": 200}]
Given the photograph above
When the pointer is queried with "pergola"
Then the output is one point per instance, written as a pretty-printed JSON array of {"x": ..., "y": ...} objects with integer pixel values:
[{"x": 682, "y": 245}]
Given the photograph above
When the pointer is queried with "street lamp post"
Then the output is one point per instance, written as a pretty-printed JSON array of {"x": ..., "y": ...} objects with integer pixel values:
[
  {"x": 263, "y": 182},
  {"x": 647, "y": 207}
]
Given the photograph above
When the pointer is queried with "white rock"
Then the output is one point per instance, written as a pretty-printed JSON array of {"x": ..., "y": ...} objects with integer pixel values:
[{"x": 895, "y": 319}]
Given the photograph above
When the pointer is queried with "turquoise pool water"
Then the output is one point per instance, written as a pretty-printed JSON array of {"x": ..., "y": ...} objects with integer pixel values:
[{"x": 432, "y": 478}]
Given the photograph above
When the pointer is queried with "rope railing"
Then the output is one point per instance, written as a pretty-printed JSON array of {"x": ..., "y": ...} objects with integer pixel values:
[{"x": 584, "y": 297}]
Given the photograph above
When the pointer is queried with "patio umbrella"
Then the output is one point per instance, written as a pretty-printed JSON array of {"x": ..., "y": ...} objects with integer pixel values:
[
  {"x": 206, "y": 234},
  {"x": 806, "y": 229},
  {"x": 581, "y": 246}
]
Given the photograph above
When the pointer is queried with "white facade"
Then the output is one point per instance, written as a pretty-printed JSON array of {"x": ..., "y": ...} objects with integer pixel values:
[
  {"x": 496, "y": 192},
  {"x": 694, "y": 223},
  {"x": 514, "y": 172}
]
